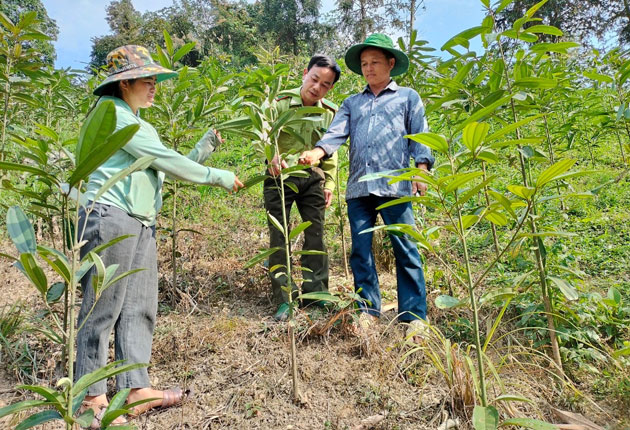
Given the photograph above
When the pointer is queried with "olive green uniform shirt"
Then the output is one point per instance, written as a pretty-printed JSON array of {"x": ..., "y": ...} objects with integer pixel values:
[{"x": 310, "y": 131}]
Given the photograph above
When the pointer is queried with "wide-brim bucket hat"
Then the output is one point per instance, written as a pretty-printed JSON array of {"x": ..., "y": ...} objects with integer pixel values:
[
  {"x": 132, "y": 62},
  {"x": 377, "y": 40}
]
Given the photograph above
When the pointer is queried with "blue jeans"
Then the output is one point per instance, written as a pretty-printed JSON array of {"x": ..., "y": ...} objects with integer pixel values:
[{"x": 412, "y": 297}]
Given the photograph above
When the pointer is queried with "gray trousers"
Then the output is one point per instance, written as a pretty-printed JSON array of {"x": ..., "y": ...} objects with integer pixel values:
[{"x": 129, "y": 307}]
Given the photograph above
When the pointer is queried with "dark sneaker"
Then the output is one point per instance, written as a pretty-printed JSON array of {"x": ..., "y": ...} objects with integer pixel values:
[{"x": 282, "y": 314}]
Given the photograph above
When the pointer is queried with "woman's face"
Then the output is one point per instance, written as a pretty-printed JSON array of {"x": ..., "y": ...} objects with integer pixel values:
[{"x": 139, "y": 93}]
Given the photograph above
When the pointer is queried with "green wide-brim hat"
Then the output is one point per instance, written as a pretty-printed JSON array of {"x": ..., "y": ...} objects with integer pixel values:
[
  {"x": 377, "y": 40},
  {"x": 132, "y": 62}
]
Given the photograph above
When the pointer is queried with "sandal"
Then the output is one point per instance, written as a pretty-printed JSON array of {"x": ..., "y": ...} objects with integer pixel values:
[{"x": 170, "y": 397}]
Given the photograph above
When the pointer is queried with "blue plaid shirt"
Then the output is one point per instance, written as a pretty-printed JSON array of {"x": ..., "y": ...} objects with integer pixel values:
[{"x": 376, "y": 126}]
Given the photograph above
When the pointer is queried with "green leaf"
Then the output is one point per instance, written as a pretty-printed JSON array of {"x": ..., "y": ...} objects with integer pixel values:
[
  {"x": 485, "y": 112},
  {"x": 309, "y": 252},
  {"x": 262, "y": 256},
  {"x": 168, "y": 42},
  {"x": 496, "y": 218},
  {"x": 5, "y": 165},
  {"x": 163, "y": 58},
  {"x": 140, "y": 164},
  {"x": 97, "y": 127},
  {"x": 283, "y": 119},
  {"x": 463, "y": 37},
  {"x": 255, "y": 180},
  {"x": 86, "y": 418},
  {"x": 101, "y": 152},
  {"x": 554, "y": 171},
  {"x": 485, "y": 418},
  {"x": 111, "y": 369},
  {"x": 525, "y": 193},
  {"x": 434, "y": 141},
  {"x": 474, "y": 134},
  {"x": 560, "y": 47},
  {"x": 100, "y": 248},
  {"x": 455, "y": 181},
  {"x": 535, "y": 82},
  {"x": 448, "y": 302},
  {"x": 274, "y": 221},
  {"x": 185, "y": 49},
  {"x": 323, "y": 296},
  {"x": 468, "y": 221},
  {"x": 299, "y": 229},
  {"x": 55, "y": 292},
  {"x": 21, "y": 406},
  {"x": 532, "y": 10},
  {"x": 565, "y": 286},
  {"x": 529, "y": 423},
  {"x": 503, "y": 5},
  {"x": 510, "y": 128},
  {"x": 544, "y": 29},
  {"x": 614, "y": 295},
  {"x": 512, "y": 398},
  {"x": 21, "y": 230},
  {"x": 34, "y": 273},
  {"x": 38, "y": 418}
]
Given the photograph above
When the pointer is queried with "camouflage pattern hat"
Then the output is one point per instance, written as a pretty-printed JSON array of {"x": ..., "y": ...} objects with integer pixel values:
[{"x": 132, "y": 62}]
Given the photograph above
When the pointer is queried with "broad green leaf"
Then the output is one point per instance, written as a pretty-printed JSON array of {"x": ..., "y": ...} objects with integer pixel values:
[
  {"x": 284, "y": 118},
  {"x": 510, "y": 128},
  {"x": 5, "y": 165},
  {"x": 34, "y": 273},
  {"x": 618, "y": 353},
  {"x": 53, "y": 397},
  {"x": 485, "y": 112},
  {"x": 517, "y": 35},
  {"x": 485, "y": 418},
  {"x": 299, "y": 229},
  {"x": 107, "y": 371},
  {"x": 183, "y": 50},
  {"x": 86, "y": 418},
  {"x": 560, "y": 47},
  {"x": 459, "y": 179},
  {"x": 565, "y": 286},
  {"x": 101, "y": 152},
  {"x": 474, "y": 134},
  {"x": 163, "y": 58},
  {"x": 544, "y": 29},
  {"x": 100, "y": 248},
  {"x": 496, "y": 218},
  {"x": 472, "y": 192},
  {"x": 525, "y": 193},
  {"x": 21, "y": 230},
  {"x": 309, "y": 252},
  {"x": 503, "y": 5},
  {"x": 529, "y": 423},
  {"x": 448, "y": 302},
  {"x": 255, "y": 180},
  {"x": 494, "y": 82},
  {"x": 554, "y": 171},
  {"x": 463, "y": 37},
  {"x": 97, "y": 127},
  {"x": 614, "y": 295},
  {"x": 274, "y": 221},
  {"x": 324, "y": 296},
  {"x": 55, "y": 292},
  {"x": 262, "y": 256},
  {"x": 21, "y": 406},
  {"x": 38, "y": 419},
  {"x": 532, "y": 10},
  {"x": 468, "y": 221},
  {"x": 535, "y": 82},
  {"x": 434, "y": 141},
  {"x": 168, "y": 42}
]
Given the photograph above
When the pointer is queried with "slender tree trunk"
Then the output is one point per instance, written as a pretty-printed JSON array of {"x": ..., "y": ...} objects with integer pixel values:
[
  {"x": 174, "y": 247},
  {"x": 412, "y": 18}
]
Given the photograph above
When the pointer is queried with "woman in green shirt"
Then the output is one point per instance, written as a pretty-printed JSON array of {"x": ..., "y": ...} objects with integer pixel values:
[{"x": 130, "y": 207}]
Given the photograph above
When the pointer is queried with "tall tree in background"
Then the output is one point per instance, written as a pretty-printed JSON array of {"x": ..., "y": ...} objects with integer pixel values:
[
  {"x": 403, "y": 13},
  {"x": 14, "y": 8},
  {"x": 584, "y": 20},
  {"x": 358, "y": 18},
  {"x": 291, "y": 23}
]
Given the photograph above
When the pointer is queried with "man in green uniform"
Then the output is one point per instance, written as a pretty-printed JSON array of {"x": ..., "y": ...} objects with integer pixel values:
[{"x": 314, "y": 193}]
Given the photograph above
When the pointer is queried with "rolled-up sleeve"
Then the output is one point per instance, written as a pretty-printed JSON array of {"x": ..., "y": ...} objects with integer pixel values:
[{"x": 338, "y": 132}]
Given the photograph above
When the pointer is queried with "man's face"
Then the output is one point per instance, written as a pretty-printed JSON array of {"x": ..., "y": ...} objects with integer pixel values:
[
  {"x": 315, "y": 84},
  {"x": 375, "y": 66}
]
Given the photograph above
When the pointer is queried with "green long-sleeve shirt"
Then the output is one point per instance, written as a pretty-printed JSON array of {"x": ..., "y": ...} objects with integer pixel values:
[
  {"x": 310, "y": 131},
  {"x": 140, "y": 194}
]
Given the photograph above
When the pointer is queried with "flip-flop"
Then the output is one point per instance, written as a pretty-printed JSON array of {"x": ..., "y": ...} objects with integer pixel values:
[{"x": 170, "y": 397}]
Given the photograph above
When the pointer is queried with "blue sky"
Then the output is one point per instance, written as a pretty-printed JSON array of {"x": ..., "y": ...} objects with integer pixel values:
[{"x": 80, "y": 20}]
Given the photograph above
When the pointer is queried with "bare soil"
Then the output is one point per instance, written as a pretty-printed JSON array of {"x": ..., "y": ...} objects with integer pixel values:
[{"x": 220, "y": 342}]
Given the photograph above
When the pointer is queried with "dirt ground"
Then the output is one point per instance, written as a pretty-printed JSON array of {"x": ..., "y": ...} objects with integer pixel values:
[{"x": 220, "y": 342}]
